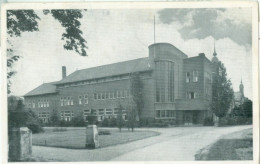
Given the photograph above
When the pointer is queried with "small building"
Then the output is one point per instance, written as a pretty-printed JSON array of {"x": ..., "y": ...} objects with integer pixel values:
[
  {"x": 239, "y": 97},
  {"x": 175, "y": 87}
]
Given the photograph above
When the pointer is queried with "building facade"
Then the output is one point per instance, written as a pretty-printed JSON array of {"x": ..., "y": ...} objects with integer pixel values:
[{"x": 175, "y": 87}]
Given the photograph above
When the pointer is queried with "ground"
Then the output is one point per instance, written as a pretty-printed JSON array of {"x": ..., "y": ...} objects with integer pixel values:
[
  {"x": 75, "y": 138},
  {"x": 234, "y": 146},
  {"x": 178, "y": 143}
]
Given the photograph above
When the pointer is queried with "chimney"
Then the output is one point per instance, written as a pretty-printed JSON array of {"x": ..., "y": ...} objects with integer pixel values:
[
  {"x": 202, "y": 54},
  {"x": 63, "y": 72}
]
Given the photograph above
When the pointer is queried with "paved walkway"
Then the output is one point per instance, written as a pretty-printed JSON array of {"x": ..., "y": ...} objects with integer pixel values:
[{"x": 179, "y": 143}]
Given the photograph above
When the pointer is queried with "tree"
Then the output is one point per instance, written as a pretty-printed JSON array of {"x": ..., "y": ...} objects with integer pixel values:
[
  {"x": 131, "y": 115},
  {"x": 55, "y": 118},
  {"x": 19, "y": 116},
  {"x": 79, "y": 121},
  {"x": 120, "y": 120},
  {"x": 137, "y": 92},
  {"x": 92, "y": 118},
  {"x": 247, "y": 107},
  {"x": 222, "y": 92},
  {"x": 19, "y": 21}
]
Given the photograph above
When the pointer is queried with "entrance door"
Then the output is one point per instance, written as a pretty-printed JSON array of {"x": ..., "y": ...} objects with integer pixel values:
[{"x": 188, "y": 118}]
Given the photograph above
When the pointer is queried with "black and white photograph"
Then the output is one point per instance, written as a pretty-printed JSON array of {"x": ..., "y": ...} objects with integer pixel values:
[{"x": 121, "y": 81}]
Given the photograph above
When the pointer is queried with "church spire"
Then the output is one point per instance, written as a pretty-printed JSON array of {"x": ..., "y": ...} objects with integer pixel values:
[
  {"x": 214, "y": 59},
  {"x": 215, "y": 53},
  {"x": 241, "y": 87}
]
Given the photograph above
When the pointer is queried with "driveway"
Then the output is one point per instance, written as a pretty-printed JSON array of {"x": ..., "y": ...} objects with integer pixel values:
[{"x": 178, "y": 143}]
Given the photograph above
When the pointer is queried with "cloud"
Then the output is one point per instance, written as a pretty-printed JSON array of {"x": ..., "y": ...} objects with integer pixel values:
[{"x": 233, "y": 23}]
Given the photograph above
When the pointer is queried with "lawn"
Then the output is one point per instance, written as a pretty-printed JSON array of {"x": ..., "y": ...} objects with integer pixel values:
[
  {"x": 235, "y": 146},
  {"x": 76, "y": 138}
]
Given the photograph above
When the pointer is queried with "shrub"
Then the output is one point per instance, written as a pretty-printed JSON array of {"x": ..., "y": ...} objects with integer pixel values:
[
  {"x": 78, "y": 121},
  {"x": 208, "y": 121},
  {"x": 59, "y": 129},
  {"x": 113, "y": 122},
  {"x": 35, "y": 127},
  {"x": 104, "y": 132},
  {"x": 105, "y": 122}
]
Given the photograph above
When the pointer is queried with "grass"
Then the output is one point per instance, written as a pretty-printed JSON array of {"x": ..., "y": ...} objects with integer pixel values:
[
  {"x": 76, "y": 139},
  {"x": 235, "y": 146}
]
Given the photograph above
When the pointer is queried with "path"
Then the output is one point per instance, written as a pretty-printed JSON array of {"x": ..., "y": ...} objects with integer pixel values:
[{"x": 179, "y": 143}]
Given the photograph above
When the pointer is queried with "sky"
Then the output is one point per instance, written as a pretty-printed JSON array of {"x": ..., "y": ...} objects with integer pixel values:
[{"x": 120, "y": 35}]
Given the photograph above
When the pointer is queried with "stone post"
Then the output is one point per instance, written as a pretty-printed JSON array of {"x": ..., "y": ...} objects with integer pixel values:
[
  {"x": 20, "y": 144},
  {"x": 92, "y": 137}
]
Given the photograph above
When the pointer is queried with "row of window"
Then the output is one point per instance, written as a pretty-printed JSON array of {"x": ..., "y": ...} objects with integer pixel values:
[
  {"x": 67, "y": 115},
  {"x": 44, "y": 116},
  {"x": 41, "y": 104},
  {"x": 165, "y": 114},
  {"x": 195, "y": 75},
  {"x": 98, "y": 112},
  {"x": 66, "y": 101},
  {"x": 112, "y": 95}
]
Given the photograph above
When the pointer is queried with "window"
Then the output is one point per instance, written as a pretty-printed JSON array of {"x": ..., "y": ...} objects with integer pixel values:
[
  {"x": 158, "y": 113},
  {"x": 103, "y": 96},
  {"x": 61, "y": 101},
  {"x": 191, "y": 95},
  {"x": 195, "y": 76},
  {"x": 115, "y": 111},
  {"x": 39, "y": 104},
  {"x": 123, "y": 94},
  {"x": 164, "y": 86},
  {"x": 86, "y": 113},
  {"x": 101, "y": 111},
  {"x": 118, "y": 94},
  {"x": 33, "y": 104},
  {"x": 71, "y": 101},
  {"x": 114, "y": 94},
  {"x": 109, "y": 112},
  {"x": 99, "y": 96},
  {"x": 165, "y": 114},
  {"x": 44, "y": 116},
  {"x": 107, "y": 96},
  {"x": 68, "y": 100},
  {"x": 85, "y": 99},
  {"x": 47, "y": 103},
  {"x": 67, "y": 115},
  {"x": 80, "y": 100},
  {"x": 187, "y": 77}
]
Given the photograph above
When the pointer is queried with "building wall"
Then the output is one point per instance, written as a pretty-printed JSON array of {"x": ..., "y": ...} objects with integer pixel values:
[
  {"x": 44, "y": 105},
  {"x": 106, "y": 87},
  {"x": 182, "y": 106}
]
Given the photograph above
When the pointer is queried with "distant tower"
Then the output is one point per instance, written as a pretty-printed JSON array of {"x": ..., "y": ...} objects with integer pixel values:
[
  {"x": 214, "y": 59},
  {"x": 241, "y": 88}
]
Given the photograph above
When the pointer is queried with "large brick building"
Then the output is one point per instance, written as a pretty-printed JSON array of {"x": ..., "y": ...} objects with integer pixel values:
[{"x": 174, "y": 87}]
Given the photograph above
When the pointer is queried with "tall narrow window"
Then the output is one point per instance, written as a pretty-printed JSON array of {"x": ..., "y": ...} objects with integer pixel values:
[
  {"x": 195, "y": 76},
  {"x": 107, "y": 96},
  {"x": 103, "y": 95},
  {"x": 61, "y": 101},
  {"x": 95, "y": 96},
  {"x": 187, "y": 77},
  {"x": 71, "y": 101},
  {"x": 99, "y": 96},
  {"x": 164, "y": 88},
  {"x": 80, "y": 100},
  {"x": 85, "y": 99}
]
